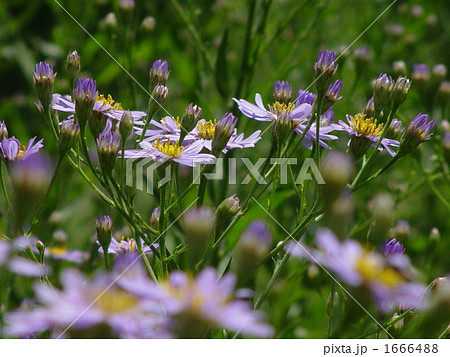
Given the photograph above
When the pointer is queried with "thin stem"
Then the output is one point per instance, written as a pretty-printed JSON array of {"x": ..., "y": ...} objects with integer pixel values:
[{"x": 3, "y": 183}]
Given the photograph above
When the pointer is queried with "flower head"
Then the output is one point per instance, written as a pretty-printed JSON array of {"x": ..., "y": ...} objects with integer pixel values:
[
  {"x": 282, "y": 92},
  {"x": 159, "y": 73},
  {"x": 416, "y": 133},
  {"x": 332, "y": 95},
  {"x": 43, "y": 78},
  {"x": 386, "y": 277},
  {"x": 365, "y": 132},
  {"x": 325, "y": 68},
  {"x": 12, "y": 150},
  {"x": 392, "y": 247}
]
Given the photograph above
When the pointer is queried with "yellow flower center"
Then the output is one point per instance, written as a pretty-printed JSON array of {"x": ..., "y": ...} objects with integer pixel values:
[
  {"x": 172, "y": 150},
  {"x": 278, "y": 108},
  {"x": 366, "y": 126},
  {"x": 109, "y": 101},
  {"x": 22, "y": 150},
  {"x": 59, "y": 249},
  {"x": 114, "y": 301},
  {"x": 207, "y": 129},
  {"x": 131, "y": 242},
  {"x": 370, "y": 267}
]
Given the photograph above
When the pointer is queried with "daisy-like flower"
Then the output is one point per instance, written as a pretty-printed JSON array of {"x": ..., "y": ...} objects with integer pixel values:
[
  {"x": 386, "y": 277},
  {"x": 204, "y": 133},
  {"x": 126, "y": 245},
  {"x": 106, "y": 106},
  {"x": 116, "y": 312},
  {"x": 167, "y": 128},
  {"x": 196, "y": 305},
  {"x": 12, "y": 150},
  {"x": 365, "y": 132},
  {"x": 167, "y": 151}
]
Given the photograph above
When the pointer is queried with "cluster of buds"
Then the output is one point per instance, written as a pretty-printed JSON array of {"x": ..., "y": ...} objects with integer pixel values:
[
  {"x": 222, "y": 134},
  {"x": 43, "y": 78},
  {"x": 325, "y": 68},
  {"x": 282, "y": 92}
]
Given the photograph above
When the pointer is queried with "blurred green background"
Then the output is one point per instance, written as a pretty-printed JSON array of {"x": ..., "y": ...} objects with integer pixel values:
[{"x": 218, "y": 50}]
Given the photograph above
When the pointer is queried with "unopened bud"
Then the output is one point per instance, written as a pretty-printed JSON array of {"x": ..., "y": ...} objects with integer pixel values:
[
  {"x": 69, "y": 133},
  {"x": 154, "y": 218},
  {"x": 325, "y": 68},
  {"x": 224, "y": 129},
  {"x": 3, "y": 131},
  {"x": 395, "y": 129},
  {"x": 253, "y": 246},
  {"x": 370, "y": 108},
  {"x": 159, "y": 73},
  {"x": 227, "y": 208},
  {"x": 84, "y": 95},
  {"x": 435, "y": 235},
  {"x": 382, "y": 94},
  {"x": 190, "y": 117},
  {"x": 332, "y": 95},
  {"x": 282, "y": 128},
  {"x": 73, "y": 65},
  {"x": 158, "y": 98},
  {"x": 104, "y": 226},
  {"x": 198, "y": 225},
  {"x": 43, "y": 78},
  {"x": 126, "y": 125},
  {"x": 282, "y": 92},
  {"x": 108, "y": 146},
  {"x": 400, "y": 91}
]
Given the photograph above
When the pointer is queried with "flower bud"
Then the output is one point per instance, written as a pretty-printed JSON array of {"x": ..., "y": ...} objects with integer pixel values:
[
  {"x": 227, "y": 208},
  {"x": 282, "y": 92},
  {"x": 126, "y": 5},
  {"x": 43, "y": 78},
  {"x": 198, "y": 225},
  {"x": 158, "y": 98},
  {"x": 282, "y": 128},
  {"x": 108, "y": 146},
  {"x": 126, "y": 125},
  {"x": 382, "y": 94},
  {"x": 362, "y": 56},
  {"x": 332, "y": 95},
  {"x": 446, "y": 146},
  {"x": 73, "y": 65},
  {"x": 252, "y": 247},
  {"x": 381, "y": 207},
  {"x": 30, "y": 178},
  {"x": 399, "y": 68},
  {"x": 148, "y": 24},
  {"x": 438, "y": 283},
  {"x": 325, "y": 67},
  {"x": 104, "y": 227},
  {"x": 84, "y": 95},
  {"x": 224, "y": 129},
  {"x": 159, "y": 73},
  {"x": 190, "y": 118},
  {"x": 416, "y": 133},
  {"x": 399, "y": 91},
  {"x": 395, "y": 129},
  {"x": 440, "y": 72},
  {"x": 336, "y": 169},
  {"x": 3, "y": 131},
  {"x": 69, "y": 133},
  {"x": 154, "y": 218}
]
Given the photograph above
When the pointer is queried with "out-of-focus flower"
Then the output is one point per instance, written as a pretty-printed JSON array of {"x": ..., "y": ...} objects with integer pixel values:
[
  {"x": 440, "y": 72},
  {"x": 148, "y": 24},
  {"x": 362, "y": 56},
  {"x": 125, "y": 245},
  {"x": 446, "y": 145},
  {"x": 365, "y": 132},
  {"x": 421, "y": 73},
  {"x": 399, "y": 68},
  {"x": 416, "y": 133},
  {"x": 443, "y": 94},
  {"x": 386, "y": 277}
]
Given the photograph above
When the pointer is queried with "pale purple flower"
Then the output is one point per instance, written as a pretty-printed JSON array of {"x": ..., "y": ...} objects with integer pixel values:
[
  {"x": 106, "y": 106},
  {"x": 60, "y": 252},
  {"x": 166, "y": 151},
  {"x": 167, "y": 128},
  {"x": 421, "y": 72},
  {"x": 43, "y": 72},
  {"x": 386, "y": 277},
  {"x": 368, "y": 128},
  {"x": 12, "y": 150},
  {"x": 126, "y": 245},
  {"x": 207, "y": 301},
  {"x": 73, "y": 306}
]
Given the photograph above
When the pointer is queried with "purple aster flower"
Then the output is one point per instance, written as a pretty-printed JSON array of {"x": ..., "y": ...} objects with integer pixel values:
[
  {"x": 166, "y": 151},
  {"x": 122, "y": 311},
  {"x": 421, "y": 73},
  {"x": 126, "y": 245},
  {"x": 12, "y": 150},
  {"x": 386, "y": 277},
  {"x": 43, "y": 78},
  {"x": 105, "y": 106},
  {"x": 416, "y": 133},
  {"x": 196, "y": 305},
  {"x": 168, "y": 128},
  {"x": 326, "y": 127},
  {"x": 392, "y": 247},
  {"x": 43, "y": 72},
  {"x": 365, "y": 132}
]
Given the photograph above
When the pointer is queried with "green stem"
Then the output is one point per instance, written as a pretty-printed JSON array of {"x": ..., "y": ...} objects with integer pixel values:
[
  {"x": 162, "y": 226},
  {"x": 3, "y": 183}
]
